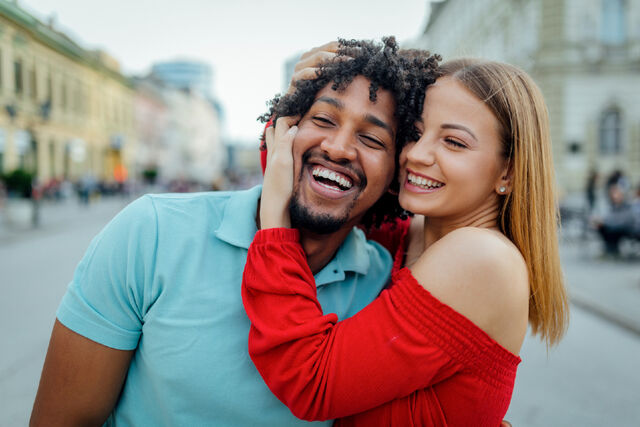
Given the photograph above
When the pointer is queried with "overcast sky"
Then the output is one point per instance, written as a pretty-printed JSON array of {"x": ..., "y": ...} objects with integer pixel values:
[{"x": 246, "y": 42}]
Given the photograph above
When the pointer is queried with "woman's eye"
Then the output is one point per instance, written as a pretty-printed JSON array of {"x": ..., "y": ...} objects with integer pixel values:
[{"x": 455, "y": 143}]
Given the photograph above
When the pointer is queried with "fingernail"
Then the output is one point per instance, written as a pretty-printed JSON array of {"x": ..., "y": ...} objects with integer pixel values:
[{"x": 293, "y": 130}]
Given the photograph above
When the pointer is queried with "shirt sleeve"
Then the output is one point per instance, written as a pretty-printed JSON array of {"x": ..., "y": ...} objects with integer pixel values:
[
  {"x": 321, "y": 368},
  {"x": 107, "y": 298},
  {"x": 420, "y": 408}
]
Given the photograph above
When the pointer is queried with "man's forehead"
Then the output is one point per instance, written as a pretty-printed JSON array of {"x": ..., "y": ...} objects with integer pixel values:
[
  {"x": 380, "y": 112},
  {"x": 359, "y": 83}
]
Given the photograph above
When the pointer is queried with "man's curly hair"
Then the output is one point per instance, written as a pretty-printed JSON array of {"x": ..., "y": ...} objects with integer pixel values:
[{"x": 404, "y": 73}]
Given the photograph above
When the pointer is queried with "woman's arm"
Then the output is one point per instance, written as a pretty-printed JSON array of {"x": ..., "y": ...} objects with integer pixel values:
[
  {"x": 323, "y": 369},
  {"x": 388, "y": 360},
  {"x": 420, "y": 408}
]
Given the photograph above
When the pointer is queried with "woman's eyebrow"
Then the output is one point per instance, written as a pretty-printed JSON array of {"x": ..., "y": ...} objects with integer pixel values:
[{"x": 459, "y": 127}]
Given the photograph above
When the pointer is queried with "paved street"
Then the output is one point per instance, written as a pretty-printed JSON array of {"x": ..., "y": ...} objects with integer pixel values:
[
  {"x": 591, "y": 379},
  {"x": 36, "y": 266}
]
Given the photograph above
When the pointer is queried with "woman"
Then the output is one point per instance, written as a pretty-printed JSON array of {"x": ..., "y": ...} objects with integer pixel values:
[{"x": 483, "y": 264}]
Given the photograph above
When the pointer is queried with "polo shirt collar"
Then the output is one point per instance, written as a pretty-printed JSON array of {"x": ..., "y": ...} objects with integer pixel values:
[
  {"x": 352, "y": 256},
  {"x": 238, "y": 227},
  {"x": 238, "y": 224}
]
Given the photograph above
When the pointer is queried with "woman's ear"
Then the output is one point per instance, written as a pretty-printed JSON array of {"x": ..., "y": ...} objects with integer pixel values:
[
  {"x": 503, "y": 186},
  {"x": 503, "y": 189}
]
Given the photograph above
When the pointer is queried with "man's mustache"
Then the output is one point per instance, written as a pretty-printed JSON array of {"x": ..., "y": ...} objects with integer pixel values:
[{"x": 346, "y": 164}]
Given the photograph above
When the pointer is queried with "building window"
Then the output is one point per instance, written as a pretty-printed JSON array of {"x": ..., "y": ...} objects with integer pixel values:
[
  {"x": 611, "y": 132},
  {"x": 50, "y": 88},
  {"x": 2, "y": 144},
  {"x": 33, "y": 83},
  {"x": 77, "y": 97},
  {"x": 613, "y": 25},
  {"x": 17, "y": 76},
  {"x": 53, "y": 173},
  {"x": 63, "y": 96}
]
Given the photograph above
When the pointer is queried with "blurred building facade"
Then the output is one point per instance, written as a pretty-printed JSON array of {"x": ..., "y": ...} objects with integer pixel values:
[
  {"x": 66, "y": 111},
  {"x": 186, "y": 75},
  {"x": 180, "y": 134},
  {"x": 584, "y": 55},
  {"x": 287, "y": 70},
  {"x": 191, "y": 147},
  {"x": 244, "y": 169},
  {"x": 151, "y": 117}
]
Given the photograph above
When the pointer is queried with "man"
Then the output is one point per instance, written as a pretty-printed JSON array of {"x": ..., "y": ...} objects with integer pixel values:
[{"x": 152, "y": 330}]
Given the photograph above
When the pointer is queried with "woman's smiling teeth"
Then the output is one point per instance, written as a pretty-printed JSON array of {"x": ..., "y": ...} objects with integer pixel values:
[
  {"x": 423, "y": 182},
  {"x": 333, "y": 177}
]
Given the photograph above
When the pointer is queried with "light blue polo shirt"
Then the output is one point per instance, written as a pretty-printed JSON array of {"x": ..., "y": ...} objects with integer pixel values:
[{"x": 164, "y": 278}]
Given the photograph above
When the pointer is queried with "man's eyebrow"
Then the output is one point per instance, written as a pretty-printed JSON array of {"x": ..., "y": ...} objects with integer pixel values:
[
  {"x": 459, "y": 127},
  {"x": 377, "y": 122},
  {"x": 332, "y": 101}
]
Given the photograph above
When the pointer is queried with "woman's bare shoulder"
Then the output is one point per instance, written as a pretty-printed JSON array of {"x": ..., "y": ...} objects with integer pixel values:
[{"x": 483, "y": 276}]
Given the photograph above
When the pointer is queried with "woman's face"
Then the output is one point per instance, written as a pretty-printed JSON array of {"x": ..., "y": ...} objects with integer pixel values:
[{"x": 456, "y": 167}]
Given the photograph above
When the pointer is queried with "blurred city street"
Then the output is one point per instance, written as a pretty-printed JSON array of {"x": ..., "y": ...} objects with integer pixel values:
[
  {"x": 36, "y": 266},
  {"x": 590, "y": 379},
  {"x": 92, "y": 113}
]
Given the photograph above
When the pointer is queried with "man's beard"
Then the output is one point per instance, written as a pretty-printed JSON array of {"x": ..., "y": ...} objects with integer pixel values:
[
  {"x": 303, "y": 217},
  {"x": 321, "y": 223}
]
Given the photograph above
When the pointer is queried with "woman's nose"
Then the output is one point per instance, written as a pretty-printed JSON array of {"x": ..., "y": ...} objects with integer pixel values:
[{"x": 422, "y": 151}]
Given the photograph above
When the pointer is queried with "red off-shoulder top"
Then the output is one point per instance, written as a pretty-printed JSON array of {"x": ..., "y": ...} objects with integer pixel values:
[{"x": 405, "y": 359}]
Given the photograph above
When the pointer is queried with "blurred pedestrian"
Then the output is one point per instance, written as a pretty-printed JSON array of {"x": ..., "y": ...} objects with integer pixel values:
[
  {"x": 619, "y": 179},
  {"x": 635, "y": 208},
  {"x": 3, "y": 193},
  {"x": 590, "y": 190},
  {"x": 617, "y": 222}
]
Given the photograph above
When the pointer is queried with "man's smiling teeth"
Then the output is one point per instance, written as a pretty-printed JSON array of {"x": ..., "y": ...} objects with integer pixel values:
[
  {"x": 332, "y": 176},
  {"x": 423, "y": 182}
]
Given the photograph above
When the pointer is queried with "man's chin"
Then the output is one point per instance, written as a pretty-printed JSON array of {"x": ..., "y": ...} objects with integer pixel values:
[{"x": 303, "y": 218}]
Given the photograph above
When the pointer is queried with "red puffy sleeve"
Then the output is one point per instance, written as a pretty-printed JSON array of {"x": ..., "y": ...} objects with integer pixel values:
[{"x": 405, "y": 355}]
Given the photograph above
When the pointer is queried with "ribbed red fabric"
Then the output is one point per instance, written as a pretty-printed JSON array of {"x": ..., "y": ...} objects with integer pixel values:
[{"x": 405, "y": 359}]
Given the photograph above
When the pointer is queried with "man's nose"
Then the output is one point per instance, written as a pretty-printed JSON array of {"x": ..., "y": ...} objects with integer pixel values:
[{"x": 340, "y": 146}]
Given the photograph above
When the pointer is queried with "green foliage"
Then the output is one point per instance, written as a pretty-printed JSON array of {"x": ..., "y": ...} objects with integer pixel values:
[
  {"x": 149, "y": 175},
  {"x": 18, "y": 183}
]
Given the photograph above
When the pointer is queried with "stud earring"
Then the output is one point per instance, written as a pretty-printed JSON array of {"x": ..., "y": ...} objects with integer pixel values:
[{"x": 502, "y": 189}]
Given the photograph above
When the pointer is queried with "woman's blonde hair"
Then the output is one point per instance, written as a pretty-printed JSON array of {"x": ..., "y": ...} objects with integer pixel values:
[{"x": 528, "y": 214}]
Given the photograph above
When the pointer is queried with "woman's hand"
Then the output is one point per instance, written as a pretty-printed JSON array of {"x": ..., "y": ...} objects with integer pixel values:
[
  {"x": 306, "y": 67},
  {"x": 278, "y": 175}
]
